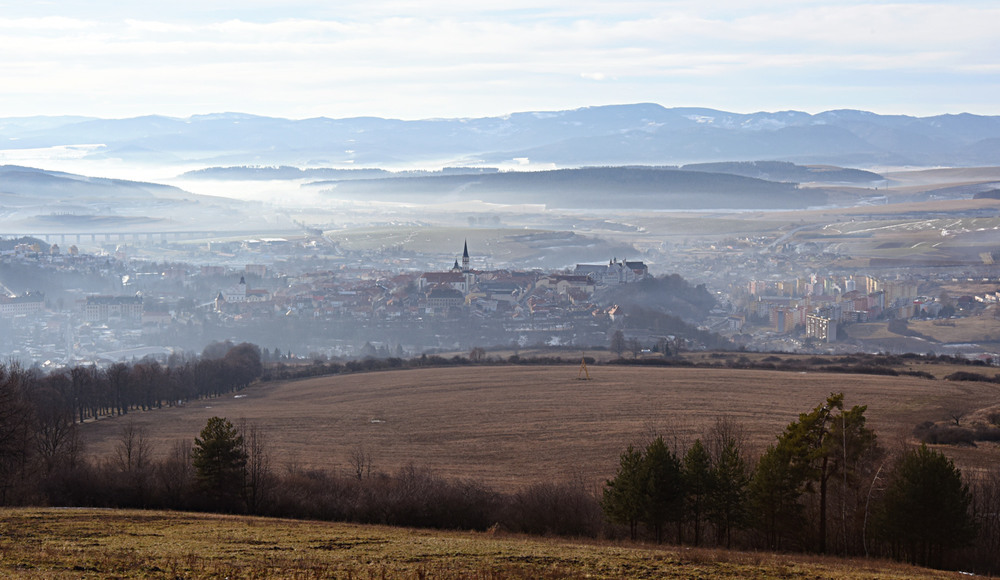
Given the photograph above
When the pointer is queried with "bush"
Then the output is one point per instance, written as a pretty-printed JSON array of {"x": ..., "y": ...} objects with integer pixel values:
[
  {"x": 987, "y": 433},
  {"x": 934, "y": 434},
  {"x": 550, "y": 508},
  {"x": 861, "y": 370},
  {"x": 967, "y": 376}
]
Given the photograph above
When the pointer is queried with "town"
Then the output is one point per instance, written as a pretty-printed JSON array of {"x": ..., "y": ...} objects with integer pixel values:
[{"x": 307, "y": 298}]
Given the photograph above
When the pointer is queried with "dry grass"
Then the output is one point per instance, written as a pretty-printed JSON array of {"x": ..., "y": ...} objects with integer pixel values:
[
  {"x": 49, "y": 543},
  {"x": 838, "y": 213},
  {"x": 513, "y": 426},
  {"x": 982, "y": 327}
]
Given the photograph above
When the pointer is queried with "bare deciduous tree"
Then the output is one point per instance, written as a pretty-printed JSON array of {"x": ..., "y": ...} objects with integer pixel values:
[
  {"x": 635, "y": 346},
  {"x": 957, "y": 414},
  {"x": 257, "y": 476},
  {"x": 618, "y": 342},
  {"x": 360, "y": 460},
  {"x": 133, "y": 450}
]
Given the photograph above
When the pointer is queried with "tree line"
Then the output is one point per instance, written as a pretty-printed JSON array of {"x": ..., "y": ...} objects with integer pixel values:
[
  {"x": 40, "y": 412},
  {"x": 824, "y": 486}
]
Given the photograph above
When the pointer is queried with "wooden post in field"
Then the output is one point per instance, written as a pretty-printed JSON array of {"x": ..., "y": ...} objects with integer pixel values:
[{"x": 584, "y": 374}]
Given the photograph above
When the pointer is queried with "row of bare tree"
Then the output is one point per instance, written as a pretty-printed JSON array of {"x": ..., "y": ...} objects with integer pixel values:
[{"x": 40, "y": 412}]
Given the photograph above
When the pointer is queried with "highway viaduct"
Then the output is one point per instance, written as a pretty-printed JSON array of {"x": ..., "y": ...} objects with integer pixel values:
[{"x": 149, "y": 237}]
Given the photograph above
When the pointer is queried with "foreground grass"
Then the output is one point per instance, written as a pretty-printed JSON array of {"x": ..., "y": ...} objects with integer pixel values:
[{"x": 89, "y": 543}]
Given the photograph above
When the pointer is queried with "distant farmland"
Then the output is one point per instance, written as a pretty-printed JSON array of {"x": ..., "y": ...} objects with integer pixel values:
[{"x": 512, "y": 425}]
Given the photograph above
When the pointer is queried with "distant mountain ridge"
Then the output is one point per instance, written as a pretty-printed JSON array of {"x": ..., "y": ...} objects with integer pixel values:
[{"x": 642, "y": 134}]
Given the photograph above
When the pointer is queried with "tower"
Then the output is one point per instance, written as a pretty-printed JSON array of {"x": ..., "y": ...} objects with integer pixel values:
[{"x": 465, "y": 257}]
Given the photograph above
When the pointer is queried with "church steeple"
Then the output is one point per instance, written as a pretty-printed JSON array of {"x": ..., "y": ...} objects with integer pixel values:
[{"x": 465, "y": 257}]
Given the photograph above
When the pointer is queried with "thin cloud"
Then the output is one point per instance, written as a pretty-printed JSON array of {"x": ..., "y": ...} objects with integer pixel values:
[{"x": 420, "y": 59}]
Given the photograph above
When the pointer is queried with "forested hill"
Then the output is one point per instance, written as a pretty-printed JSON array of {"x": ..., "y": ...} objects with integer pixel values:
[
  {"x": 789, "y": 172},
  {"x": 40, "y": 183},
  {"x": 591, "y": 187},
  {"x": 668, "y": 294}
]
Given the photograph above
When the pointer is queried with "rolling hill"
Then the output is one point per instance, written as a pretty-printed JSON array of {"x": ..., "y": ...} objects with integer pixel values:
[
  {"x": 512, "y": 426},
  {"x": 591, "y": 187}
]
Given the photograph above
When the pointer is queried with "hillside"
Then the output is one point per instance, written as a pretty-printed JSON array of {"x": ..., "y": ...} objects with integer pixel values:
[
  {"x": 593, "y": 187},
  {"x": 512, "y": 426},
  {"x": 38, "y": 201},
  {"x": 783, "y": 171},
  {"x": 91, "y": 543}
]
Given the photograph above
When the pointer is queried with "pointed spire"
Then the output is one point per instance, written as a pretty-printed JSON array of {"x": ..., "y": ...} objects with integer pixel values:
[{"x": 465, "y": 251}]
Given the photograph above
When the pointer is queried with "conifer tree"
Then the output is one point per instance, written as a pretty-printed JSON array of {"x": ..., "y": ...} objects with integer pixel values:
[
  {"x": 624, "y": 496},
  {"x": 219, "y": 458},
  {"x": 925, "y": 509},
  {"x": 699, "y": 485},
  {"x": 664, "y": 479}
]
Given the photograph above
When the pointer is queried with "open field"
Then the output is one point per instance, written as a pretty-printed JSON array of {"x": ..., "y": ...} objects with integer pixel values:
[
  {"x": 930, "y": 335},
  {"x": 90, "y": 543},
  {"x": 984, "y": 327},
  {"x": 946, "y": 175},
  {"x": 510, "y": 426}
]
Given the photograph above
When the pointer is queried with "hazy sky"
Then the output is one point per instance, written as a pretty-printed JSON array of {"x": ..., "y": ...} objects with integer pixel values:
[{"x": 442, "y": 58}]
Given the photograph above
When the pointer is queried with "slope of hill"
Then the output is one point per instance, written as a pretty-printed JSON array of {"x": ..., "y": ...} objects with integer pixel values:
[
  {"x": 60, "y": 543},
  {"x": 621, "y": 134},
  {"x": 789, "y": 172},
  {"x": 28, "y": 181},
  {"x": 513, "y": 426},
  {"x": 592, "y": 187},
  {"x": 38, "y": 201}
]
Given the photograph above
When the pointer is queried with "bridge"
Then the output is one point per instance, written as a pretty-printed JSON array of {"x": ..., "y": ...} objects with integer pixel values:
[{"x": 149, "y": 237}]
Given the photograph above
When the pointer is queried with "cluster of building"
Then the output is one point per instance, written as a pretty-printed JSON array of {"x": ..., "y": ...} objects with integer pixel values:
[
  {"x": 461, "y": 290},
  {"x": 23, "y": 305},
  {"x": 819, "y": 304},
  {"x": 321, "y": 295}
]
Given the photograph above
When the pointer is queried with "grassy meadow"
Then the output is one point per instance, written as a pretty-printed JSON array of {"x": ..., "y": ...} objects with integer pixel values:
[{"x": 90, "y": 543}]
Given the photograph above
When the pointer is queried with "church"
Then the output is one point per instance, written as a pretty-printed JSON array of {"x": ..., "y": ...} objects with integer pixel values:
[{"x": 460, "y": 277}]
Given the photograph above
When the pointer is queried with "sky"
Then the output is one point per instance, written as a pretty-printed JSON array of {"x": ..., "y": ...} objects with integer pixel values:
[{"x": 445, "y": 59}]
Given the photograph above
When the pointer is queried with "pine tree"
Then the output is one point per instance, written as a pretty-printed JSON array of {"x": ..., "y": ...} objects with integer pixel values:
[
  {"x": 925, "y": 510},
  {"x": 821, "y": 444},
  {"x": 624, "y": 496},
  {"x": 775, "y": 490},
  {"x": 664, "y": 481},
  {"x": 727, "y": 502},
  {"x": 699, "y": 485},
  {"x": 219, "y": 458}
]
